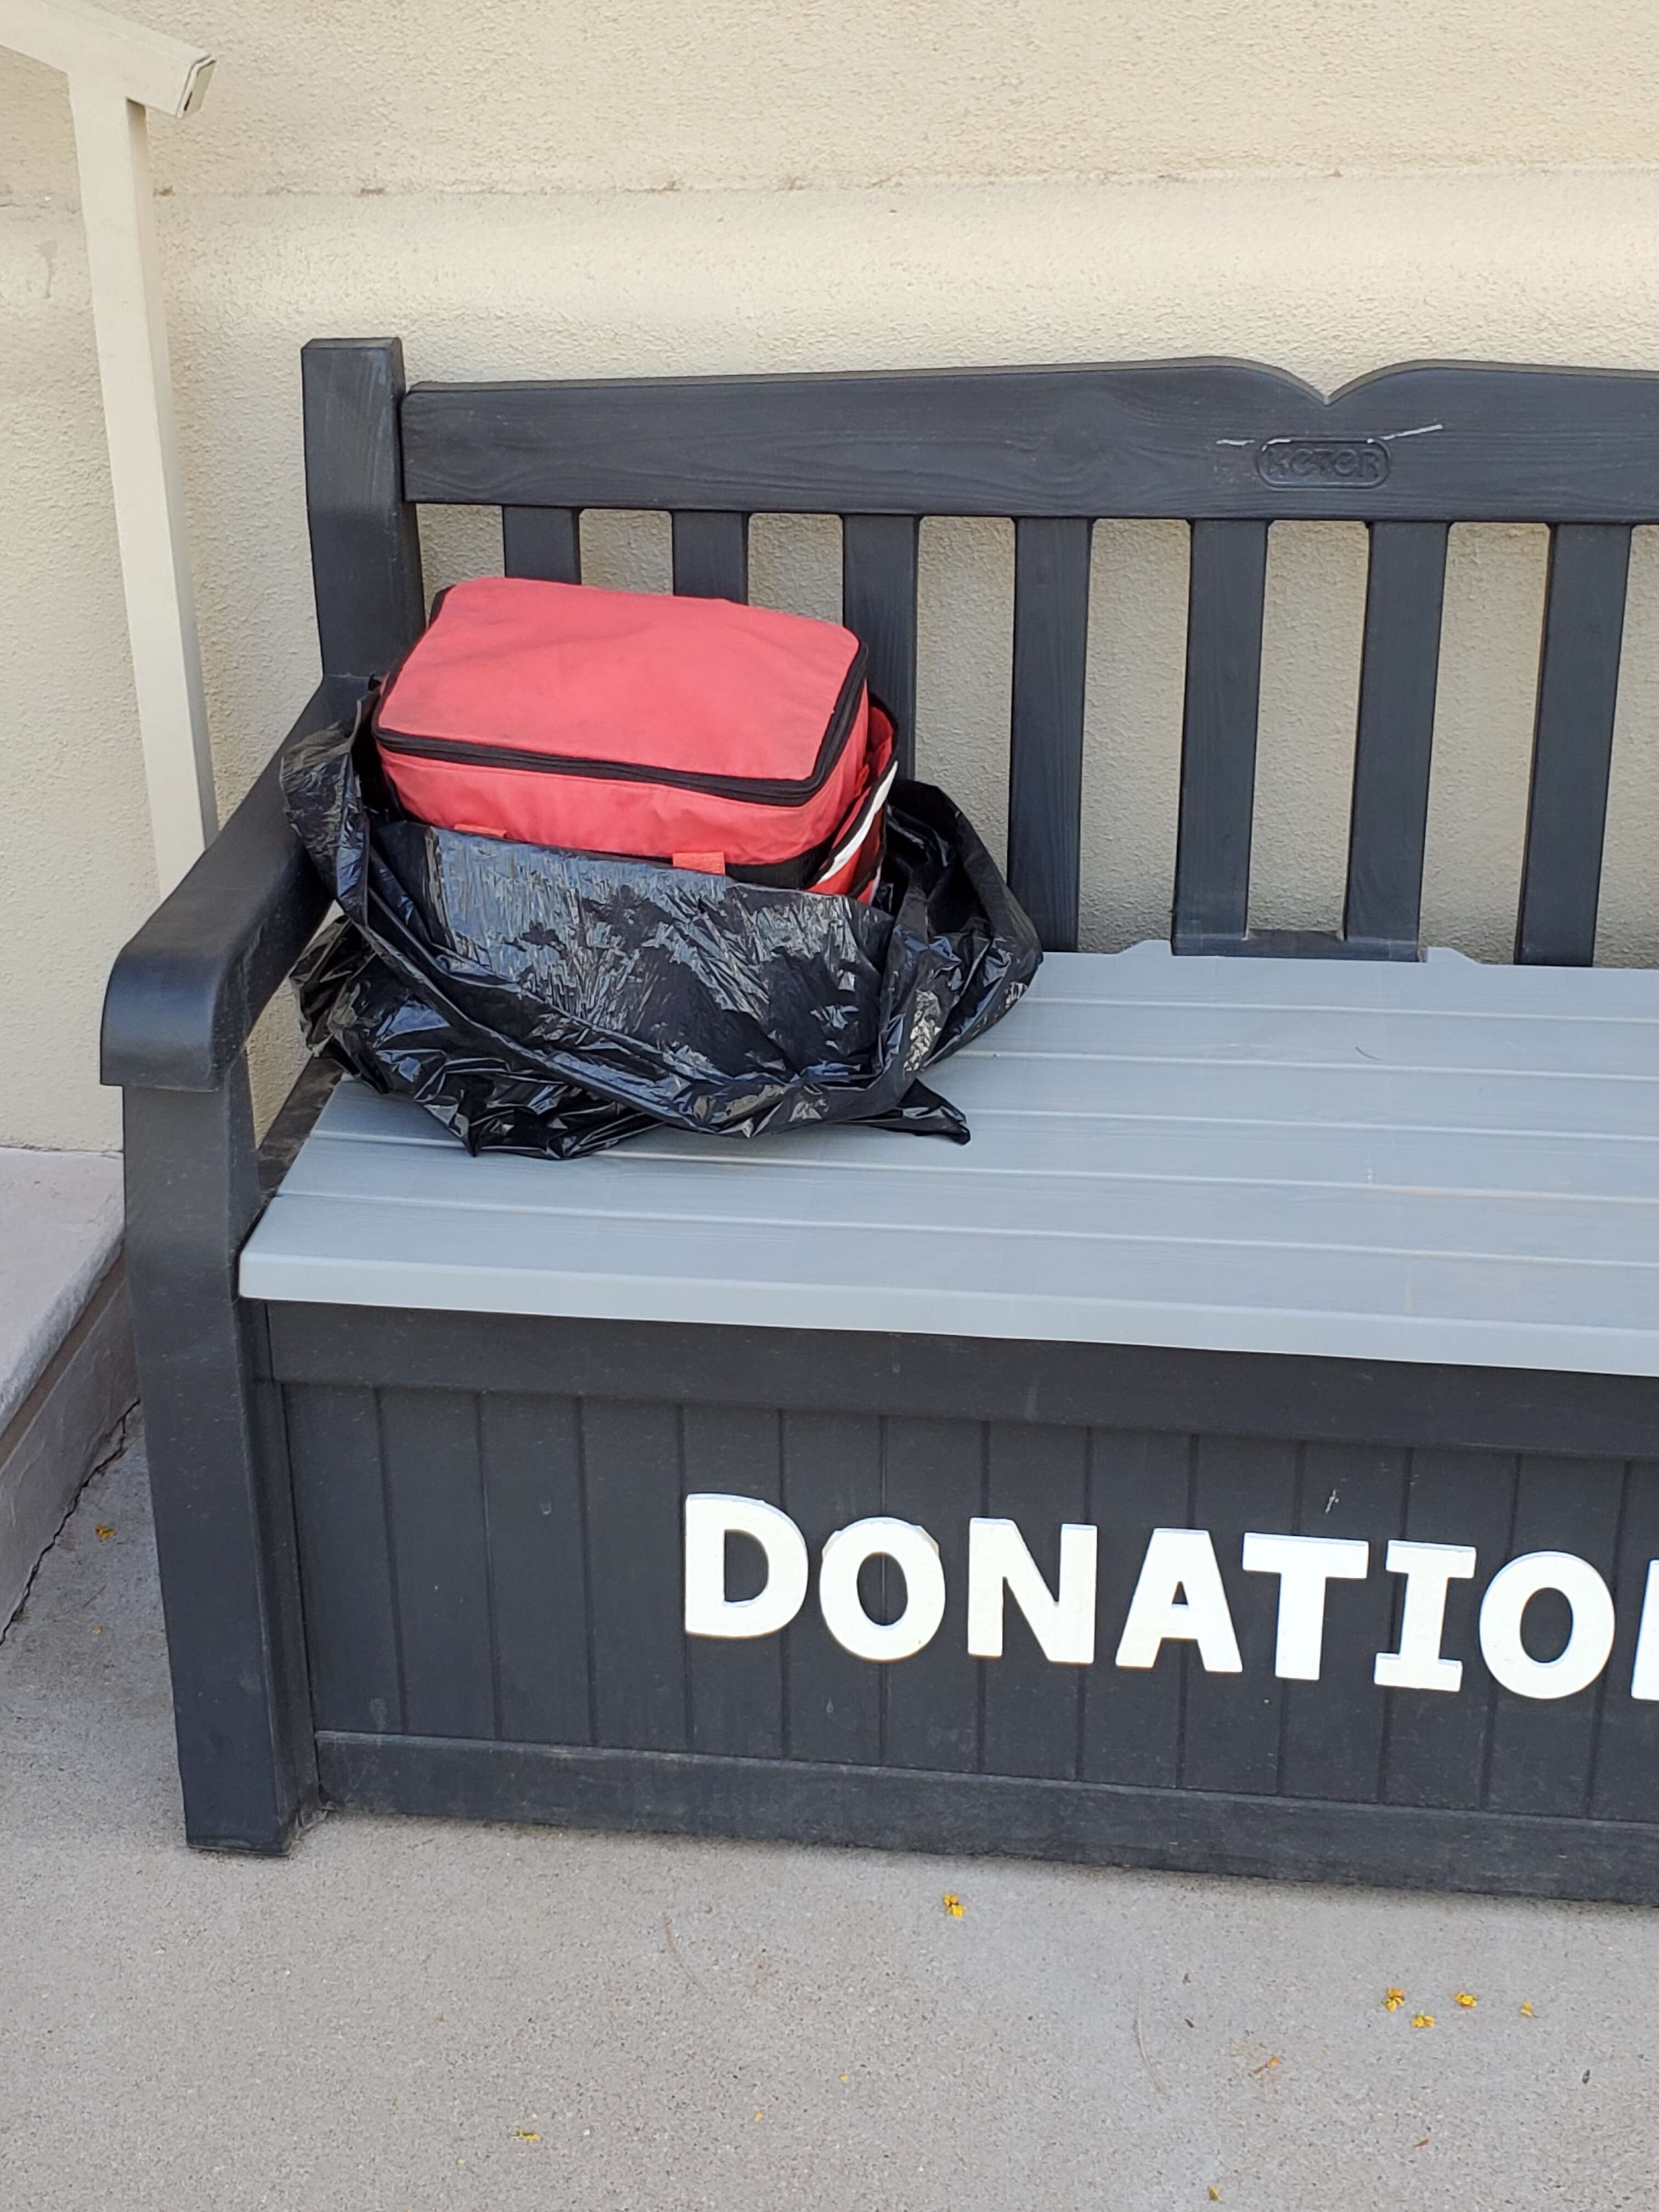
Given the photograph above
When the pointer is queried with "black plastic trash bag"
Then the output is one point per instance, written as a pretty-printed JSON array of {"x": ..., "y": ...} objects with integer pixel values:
[{"x": 554, "y": 1003}]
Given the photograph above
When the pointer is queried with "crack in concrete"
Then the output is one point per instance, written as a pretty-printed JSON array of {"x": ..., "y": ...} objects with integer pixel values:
[{"x": 117, "y": 1441}]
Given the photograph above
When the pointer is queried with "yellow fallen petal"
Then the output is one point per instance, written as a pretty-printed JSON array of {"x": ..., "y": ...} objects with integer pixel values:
[
  {"x": 1215, "y": 2194},
  {"x": 1527, "y": 2008},
  {"x": 1467, "y": 1999},
  {"x": 1393, "y": 1999},
  {"x": 953, "y": 1905},
  {"x": 527, "y": 2135},
  {"x": 760, "y": 2116},
  {"x": 102, "y": 1533},
  {"x": 1423, "y": 2019}
]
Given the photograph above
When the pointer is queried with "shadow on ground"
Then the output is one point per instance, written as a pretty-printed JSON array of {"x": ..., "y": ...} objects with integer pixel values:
[{"x": 407, "y": 2013}]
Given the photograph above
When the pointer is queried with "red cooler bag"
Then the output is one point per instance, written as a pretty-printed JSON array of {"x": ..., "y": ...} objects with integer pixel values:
[{"x": 714, "y": 736}]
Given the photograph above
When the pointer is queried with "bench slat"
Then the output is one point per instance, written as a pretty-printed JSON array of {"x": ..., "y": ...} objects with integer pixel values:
[
  {"x": 439, "y": 1566},
  {"x": 1225, "y": 595},
  {"x": 711, "y": 554},
  {"x": 544, "y": 542},
  {"x": 1045, "y": 769},
  {"x": 1066, "y": 1207},
  {"x": 926, "y": 1466},
  {"x": 1399, "y": 672},
  {"x": 632, "y": 1480},
  {"x": 340, "y": 1514},
  {"x": 1142, "y": 1148},
  {"x": 878, "y": 605},
  {"x": 1572, "y": 743},
  {"x": 832, "y": 1476},
  {"x": 1542, "y": 1755},
  {"x": 735, "y": 1691},
  {"x": 1319, "y": 1037},
  {"x": 1430, "y": 442},
  {"x": 1335, "y": 1746},
  {"x": 1368, "y": 1304},
  {"x": 1132, "y": 1716},
  {"x": 1454, "y": 1498},
  {"x": 1066, "y": 1095},
  {"x": 1570, "y": 1106},
  {"x": 1621, "y": 1778},
  {"x": 1232, "y": 1724},
  {"x": 1032, "y": 1722},
  {"x": 531, "y": 1473}
]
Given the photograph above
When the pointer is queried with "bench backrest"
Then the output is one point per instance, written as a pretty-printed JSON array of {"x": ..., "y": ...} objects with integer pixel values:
[{"x": 1224, "y": 445}]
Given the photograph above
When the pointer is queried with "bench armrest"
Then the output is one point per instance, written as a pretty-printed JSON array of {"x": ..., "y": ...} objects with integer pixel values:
[
  {"x": 182, "y": 998},
  {"x": 186, "y": 992}
]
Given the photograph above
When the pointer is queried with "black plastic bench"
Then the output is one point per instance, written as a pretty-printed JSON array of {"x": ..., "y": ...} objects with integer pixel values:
[{"x": 1313, "y": 1296}]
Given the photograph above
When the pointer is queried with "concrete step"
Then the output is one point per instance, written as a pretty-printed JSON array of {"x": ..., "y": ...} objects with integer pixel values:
[{"x": 67, "y": 1378}]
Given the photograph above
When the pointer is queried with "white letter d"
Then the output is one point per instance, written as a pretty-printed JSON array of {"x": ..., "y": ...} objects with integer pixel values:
[{"x": 710, "y": 1517}]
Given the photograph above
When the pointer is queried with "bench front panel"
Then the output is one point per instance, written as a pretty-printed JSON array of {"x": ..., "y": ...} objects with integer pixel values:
[{"x": 504, "y": 1567}]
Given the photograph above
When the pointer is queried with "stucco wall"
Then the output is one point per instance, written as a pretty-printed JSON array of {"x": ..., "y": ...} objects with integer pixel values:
[{"x": 563, "y": 188}]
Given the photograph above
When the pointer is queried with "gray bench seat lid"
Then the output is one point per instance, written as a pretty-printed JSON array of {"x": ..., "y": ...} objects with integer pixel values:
[{"x": 1447, "y": 1161}]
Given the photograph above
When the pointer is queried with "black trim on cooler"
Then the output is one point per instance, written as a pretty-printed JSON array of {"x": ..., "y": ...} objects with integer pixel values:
[
  {"x": 863, "y": 822},
  {"x": 803, "y": 871}
]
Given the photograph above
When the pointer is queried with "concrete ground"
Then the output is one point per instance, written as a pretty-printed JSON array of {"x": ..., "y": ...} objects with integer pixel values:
[{"x": 407, "y": 2013}]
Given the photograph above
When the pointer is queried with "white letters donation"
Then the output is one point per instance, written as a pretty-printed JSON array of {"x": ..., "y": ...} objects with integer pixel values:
[{"x": 1179, "y": 1598}]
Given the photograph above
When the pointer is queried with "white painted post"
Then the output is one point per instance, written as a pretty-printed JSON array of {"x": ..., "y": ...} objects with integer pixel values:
[{"x": 116, "y": 71}]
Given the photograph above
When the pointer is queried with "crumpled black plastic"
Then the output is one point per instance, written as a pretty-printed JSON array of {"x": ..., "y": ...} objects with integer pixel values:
[{"x": 555, "y": 1003}]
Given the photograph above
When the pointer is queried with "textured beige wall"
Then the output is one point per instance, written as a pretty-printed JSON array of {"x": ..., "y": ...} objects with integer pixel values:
[
  {"x": 553, "y": 189},
  {"x": 664, "y": 95}
]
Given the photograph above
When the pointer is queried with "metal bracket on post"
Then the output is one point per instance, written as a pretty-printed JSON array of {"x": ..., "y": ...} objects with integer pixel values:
[{"x": 116, "y": 71}]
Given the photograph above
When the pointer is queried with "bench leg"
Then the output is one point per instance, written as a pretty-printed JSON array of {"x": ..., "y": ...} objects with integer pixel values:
[{"x": 224, "y": 1523}]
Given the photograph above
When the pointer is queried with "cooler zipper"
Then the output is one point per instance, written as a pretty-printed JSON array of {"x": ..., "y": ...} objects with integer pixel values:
[{"x": 760, "y": 791}]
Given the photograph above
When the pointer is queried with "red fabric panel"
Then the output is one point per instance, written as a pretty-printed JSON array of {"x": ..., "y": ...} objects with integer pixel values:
[{"x": 640, "y": 680}]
